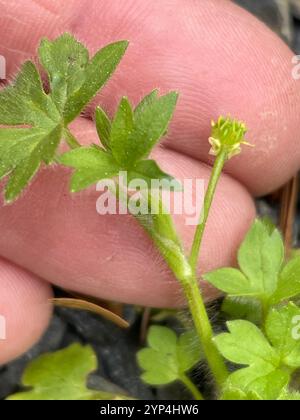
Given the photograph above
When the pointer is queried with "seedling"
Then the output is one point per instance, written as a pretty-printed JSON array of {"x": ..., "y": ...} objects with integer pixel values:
[{"x": 261, "y": 334}]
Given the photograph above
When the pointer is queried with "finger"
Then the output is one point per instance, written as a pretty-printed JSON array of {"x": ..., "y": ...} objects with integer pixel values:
[
  {"x": 24, "y": 310},
  {"x": 62, "y": 239},
  {"x": 220, "y": 59}
]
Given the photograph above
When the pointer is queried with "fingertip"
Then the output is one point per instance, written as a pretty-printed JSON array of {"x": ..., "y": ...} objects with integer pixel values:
[{"x": 25, "y": 310}]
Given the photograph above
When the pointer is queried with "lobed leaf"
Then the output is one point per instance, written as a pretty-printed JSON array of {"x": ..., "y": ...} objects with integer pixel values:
[
  {"x": 279, "y": 328},
  {"x": 168, "y": 357},
  {"x": 62, "y": 376},
  {"x": 74, "y": 81},
  {"x": 134, "y": 134},
  {"x": 260, "y": 259},
  {"x": 289, "y": 282},
  {"x": 103, "y": 125},
  {"x": 92, "y": 164}
]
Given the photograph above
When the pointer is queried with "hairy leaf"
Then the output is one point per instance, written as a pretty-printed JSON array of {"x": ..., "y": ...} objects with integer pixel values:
[
  {"x": 92, "y": 164},
  {"x": 38, "y": 121},
  {"x": 134, "y": 134},
  {"x": 103, "y": 125}
]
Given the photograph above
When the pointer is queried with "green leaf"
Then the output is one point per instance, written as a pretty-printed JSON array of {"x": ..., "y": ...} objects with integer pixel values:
[
  {"x": 73, "y": 82},
  {"x": 133, "y": 135},
  {"x": 148, "y": 170},
  {"x": 261, "y": 256},
  {"x": 97, "y": 73},
  {"x": 103, "y": 125},
  {"x": 66, "y": 61},
  {"x": 121, "y": 131},
  {"x": 231, "y": 281},
  {"x": 25, "y": 102},
  {"x": 22, "y": 150},
  {"x": 92, "y": 164},
  {"x": 280, "y": 327},
  {"x": 242, "y": 308},
  {"x": 289, "y": 282},
  {"x": 61, "y": 376},
  {"x": 146, "y": 101},
  {"x": 260, "y": 260},
  {"x": 236, "y": 394},
  {"x": 265, "y": 388},
  {"x": 119, "y": 139},
  {"x": 167, "y": 358},
  {"x": 289, "y": 396},
  {"x": 269, "y": 387},
  {"x": 246, "y": 345}
]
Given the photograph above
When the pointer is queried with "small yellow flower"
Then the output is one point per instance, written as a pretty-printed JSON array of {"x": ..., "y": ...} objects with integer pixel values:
[{"x": 227, "y": 135}]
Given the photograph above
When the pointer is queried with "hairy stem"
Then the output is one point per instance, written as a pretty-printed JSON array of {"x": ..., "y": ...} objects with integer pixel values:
[
  {"x": 204, "y": 330},
  {"x": 162, "y": 231},
  {"x": 211, "y": 189},
  {"x": 191, "y": 387}
]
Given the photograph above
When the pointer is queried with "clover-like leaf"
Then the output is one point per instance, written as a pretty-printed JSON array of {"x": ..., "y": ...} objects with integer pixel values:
[
  {"x": 62, "y": 376},
  {"x": 260, "y": 259},
  {"x": 168, "y": 357},
  {"x": 37, "y": 121}
]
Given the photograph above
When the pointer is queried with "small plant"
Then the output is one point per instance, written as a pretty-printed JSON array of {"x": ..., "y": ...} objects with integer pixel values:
[
  {"x": 261, "y": 293},
  {"x": 168, "y": 358}
]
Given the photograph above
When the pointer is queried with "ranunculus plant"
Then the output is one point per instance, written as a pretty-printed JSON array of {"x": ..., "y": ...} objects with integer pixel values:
[{"x": 34, "y": 122}]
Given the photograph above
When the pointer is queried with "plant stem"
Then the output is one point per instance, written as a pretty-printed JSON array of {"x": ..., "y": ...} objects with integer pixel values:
[
  {"x": 216, "y": 172},
  {"x": 71, "y": 140},
  {"x": 191, "y": 287},
  {"x": 205, "y": 331},
  {"x": 163, "y": 234},
  {"x": 191, "y": 387}
]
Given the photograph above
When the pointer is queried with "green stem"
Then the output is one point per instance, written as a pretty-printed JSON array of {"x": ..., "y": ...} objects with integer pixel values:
[
  {"x": 191, "y": 387},
  {"x": 72, "y": 142},
  {"x": 191, "y": 287},
  {"x": 205, "y": 331},
  {"x": 163, "y": 234},
  {"x": 211, "y": 189}
]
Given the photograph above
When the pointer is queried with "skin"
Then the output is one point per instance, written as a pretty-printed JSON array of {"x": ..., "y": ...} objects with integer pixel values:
[{"x": 221, "y": 60}]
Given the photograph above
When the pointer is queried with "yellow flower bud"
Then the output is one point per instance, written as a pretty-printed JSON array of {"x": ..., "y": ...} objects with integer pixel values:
[{"x": 227, "y": 135}]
